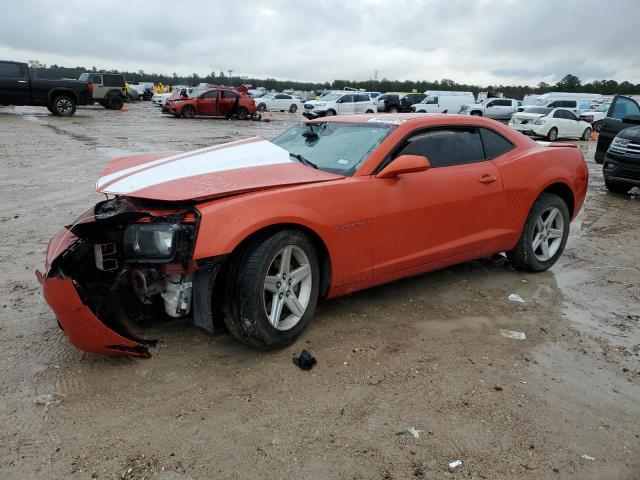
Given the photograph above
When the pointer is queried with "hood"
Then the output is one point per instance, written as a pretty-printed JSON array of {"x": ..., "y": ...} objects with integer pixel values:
[
  {"x": 632, "y": 133},
  {"x": 221, "y": 170}
]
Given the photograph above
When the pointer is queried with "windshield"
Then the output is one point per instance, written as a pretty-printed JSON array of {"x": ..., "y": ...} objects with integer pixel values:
[
  {"x": 334, "y": 147},
  {"x": 604, "y": 107},
  {"x": 267, "y": 96},
  {"x": 542, "y": 110},
  {"x": 332, "y": 97}
]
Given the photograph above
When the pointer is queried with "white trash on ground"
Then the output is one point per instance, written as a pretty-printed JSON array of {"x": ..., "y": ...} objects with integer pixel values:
[
  {"x": 455, "y": 464},
  {"x": 49, "y": 400},
  {"x": 587, "y": 457},
  {"x": 414, "y": 432},
  {"x": 514, "y": 297},
  {"x": 513, "y": 334}
]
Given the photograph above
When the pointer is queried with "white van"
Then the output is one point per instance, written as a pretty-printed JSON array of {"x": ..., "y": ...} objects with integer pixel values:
[
  {"x": 576, "y": 102},
  {"x": 443, "y": 102}
]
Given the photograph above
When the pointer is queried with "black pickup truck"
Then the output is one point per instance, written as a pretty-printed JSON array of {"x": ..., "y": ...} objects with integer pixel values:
[{"x": 60, "y": 96}]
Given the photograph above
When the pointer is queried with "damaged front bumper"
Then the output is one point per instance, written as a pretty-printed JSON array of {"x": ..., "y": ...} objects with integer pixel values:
[{"x": 99, "y": 282}]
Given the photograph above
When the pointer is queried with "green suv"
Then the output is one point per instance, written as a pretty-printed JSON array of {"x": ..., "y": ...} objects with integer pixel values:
[{"x": 108, "y": 88}]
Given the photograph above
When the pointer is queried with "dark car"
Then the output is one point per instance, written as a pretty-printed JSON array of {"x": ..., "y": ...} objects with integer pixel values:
[
  {"x": 61, "y": 97},
  {"x": 398, "y": 102},
  {"x": 621, "y": 167},
  {"x": 624, "y": 112}
]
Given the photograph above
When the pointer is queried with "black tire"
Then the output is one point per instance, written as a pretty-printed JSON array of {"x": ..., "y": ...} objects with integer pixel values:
[
  {"x": 597, "y": 126},
  {"x": 476, "y": 113},
  {"x": 63, "y": 106},
  {"x": 293, "y": 108},
  {"x": 242, "y": 113},
  {"x": 617, "y": 187},
  {"x": 552, "y": 136},
  {"x": 522, "y": 256},
  {"x": 114, "y": 101},
  {"x": 261, "y": 107},
  {"x": 586, "y": 135},
  {"x": 369, "y": 111},
  {"x": 188, "y": 111},
  {"x": 330, "y": 113},
  {"x": 245, "y": 312},
  {"x": 393, "y": 109}
]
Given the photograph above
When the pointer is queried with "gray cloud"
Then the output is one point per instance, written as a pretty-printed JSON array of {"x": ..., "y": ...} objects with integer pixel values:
[{"x": 483, "y": 41}]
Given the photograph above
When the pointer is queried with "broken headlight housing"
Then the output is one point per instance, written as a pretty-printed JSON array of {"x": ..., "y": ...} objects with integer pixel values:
[{"x": 153, "y": 242}]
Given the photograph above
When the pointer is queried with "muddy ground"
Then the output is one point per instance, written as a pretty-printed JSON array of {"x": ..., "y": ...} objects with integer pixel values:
[{"x": 424, "y": 352}]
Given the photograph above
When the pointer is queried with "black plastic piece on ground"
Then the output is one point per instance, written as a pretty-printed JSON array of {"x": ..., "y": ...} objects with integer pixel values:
[{"x": 305, "y": 360}]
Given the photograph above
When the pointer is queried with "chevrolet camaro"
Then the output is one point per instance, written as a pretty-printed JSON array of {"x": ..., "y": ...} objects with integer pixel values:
[{"x": 251, "y": 233}]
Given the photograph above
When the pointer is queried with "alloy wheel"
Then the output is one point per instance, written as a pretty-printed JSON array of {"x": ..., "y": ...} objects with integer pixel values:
[
  {"x": 547, "y": 234},
  {"x": 64, "y": 106},
  {"x": 287, "y": 287}
]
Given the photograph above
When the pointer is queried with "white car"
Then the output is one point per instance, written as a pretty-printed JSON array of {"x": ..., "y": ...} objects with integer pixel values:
[
  {"x": 274, "y": 102},
  {"x": 443, "y": 102},
  {"x": 596, "y": 116},
  {"x": 339, "y": 104},
  {"x": 551, "y": 123}
]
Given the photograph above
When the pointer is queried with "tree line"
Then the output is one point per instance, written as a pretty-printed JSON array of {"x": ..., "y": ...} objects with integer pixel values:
[{"x": 569, "y": 83}]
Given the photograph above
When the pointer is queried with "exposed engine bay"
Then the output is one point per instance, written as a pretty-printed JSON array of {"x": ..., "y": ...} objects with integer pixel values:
[{"x": 130, "y": 261}]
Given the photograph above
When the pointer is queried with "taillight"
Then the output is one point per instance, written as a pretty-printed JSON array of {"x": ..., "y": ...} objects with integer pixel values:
[{"x": 90, "y": 85}]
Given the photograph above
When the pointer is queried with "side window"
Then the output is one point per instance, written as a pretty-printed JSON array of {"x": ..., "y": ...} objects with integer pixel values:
[
  {"x": 624, "y": 106},
  {"x": 281, "y": 96},
  {"x": 492, "y": 104},
  {"x": 569, "y": 115},
  {"x": 227, "y": 94},
  {"x": 113, "y": 80},
  {"x": 95, "y": 78},
  {"x": 558, "y": 114},
  {"x": 503, "y": 103},
  {"x": 10, "y": 70},
  {"x": 347, "y": 99},
  {"x": 494, "y": 143},
  {"x": 447, "y": 147},
  {"x": 432, "y": 101},
  {"x": 211, "y": 95},
  {"x": 553, "y": 105},
  {"x": 362, "y": 98}
]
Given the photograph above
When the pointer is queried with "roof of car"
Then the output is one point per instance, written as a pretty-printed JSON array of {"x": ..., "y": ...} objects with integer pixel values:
[{"x": 392, "y": 118}]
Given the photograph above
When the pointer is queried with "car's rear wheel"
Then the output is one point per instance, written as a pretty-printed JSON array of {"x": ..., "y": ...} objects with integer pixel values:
[
  {"x": 242, "y": 113},
  {"x": 188, "y": 111},
  {"x": 544, "y": 235},
  {"x": 63, "y": 106},
  {"x": 293, "y": 108},
  {"x": 272, "y": 289},
  {"x": 586, "y": 135},
  {"x": 330, "y": 113},
  {"x": 114, "y": 101},
  {"x": 477, "y": 113},
  {"x": 393, "y": 109},
  {"x": 369, "y": 111},
  {"x": 552, "y": 135},
  {"x": 617, "y": 187},
  {"x": 261, "y": 107}
]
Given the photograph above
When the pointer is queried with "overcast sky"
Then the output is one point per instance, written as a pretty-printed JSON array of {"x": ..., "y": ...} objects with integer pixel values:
[{"x": 476, "y": 41}]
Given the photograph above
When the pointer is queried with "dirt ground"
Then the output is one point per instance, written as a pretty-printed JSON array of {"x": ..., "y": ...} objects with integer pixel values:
[{"x": 426, "y": 352}]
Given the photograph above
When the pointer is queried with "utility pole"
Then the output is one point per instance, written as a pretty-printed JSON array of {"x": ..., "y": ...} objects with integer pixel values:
[
  {"x": 230, "y": 72},
  {"x": 375, "y": 75}
]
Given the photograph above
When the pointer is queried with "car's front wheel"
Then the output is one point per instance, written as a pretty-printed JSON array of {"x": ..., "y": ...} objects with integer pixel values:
[
  {"x": 586, "y": 135},
  {"x": 544, "y": 235},
  {"x": 272, "y": 289},
  {"x": 293, "y": 108},
  {"x": 188, "y": 111}
]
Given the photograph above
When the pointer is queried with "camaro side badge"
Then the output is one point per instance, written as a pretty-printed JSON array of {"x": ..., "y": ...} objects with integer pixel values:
[{"x": 352, "y": 225}]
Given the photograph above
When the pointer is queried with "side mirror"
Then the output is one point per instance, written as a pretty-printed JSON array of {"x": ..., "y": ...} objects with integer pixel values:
[{"x": 404, "y": 164}]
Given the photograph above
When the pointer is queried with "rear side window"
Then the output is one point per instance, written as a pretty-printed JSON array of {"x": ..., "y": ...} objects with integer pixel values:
[
  {"x": 446, "y": 147},
  {"x": 282, "y": 96},
  {"x": 362, "y": 98},
  {"x": 494, "y": 143},
  {"x": 227, "y": 94},
  {"x": 10, "y": 70},
  {"x": 113, "y": 80}
]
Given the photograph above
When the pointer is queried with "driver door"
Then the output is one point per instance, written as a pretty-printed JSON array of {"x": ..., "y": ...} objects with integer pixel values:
[
  {"x": 208, "y": 103},
  {"x": 454, "y": 208},
  {"x": 346, "y": 104}
]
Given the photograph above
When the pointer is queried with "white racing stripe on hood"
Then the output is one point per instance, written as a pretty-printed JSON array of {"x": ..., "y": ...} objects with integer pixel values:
[{"x": 234, "y": 155}]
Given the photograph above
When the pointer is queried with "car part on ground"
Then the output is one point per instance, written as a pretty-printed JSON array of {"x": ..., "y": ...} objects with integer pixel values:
[{"x": 253, "y": 232}]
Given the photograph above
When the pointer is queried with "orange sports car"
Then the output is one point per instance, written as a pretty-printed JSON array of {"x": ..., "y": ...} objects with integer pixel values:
[{"x": 254, "y": 232}]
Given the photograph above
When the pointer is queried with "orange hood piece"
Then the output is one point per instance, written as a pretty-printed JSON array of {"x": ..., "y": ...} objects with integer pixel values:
[{"x": 221, "y": 170}]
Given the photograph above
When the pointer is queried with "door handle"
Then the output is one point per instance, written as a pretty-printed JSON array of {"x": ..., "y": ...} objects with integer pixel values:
[
  {"x": 22, "y": 81},
  {"x": 487, "y": 179}
]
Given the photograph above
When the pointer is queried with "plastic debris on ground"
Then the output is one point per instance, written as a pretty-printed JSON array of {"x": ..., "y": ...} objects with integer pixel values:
[
  {"x": 587, "y": 457},
  {"x": 415, "y": 433},
  {"x": 305, "y": 360},
  {"x": 455, "y": 464},
  {"x": 513, "y": 334},
  {"x": 49, "y": 400},
  {"x": 514, "y": 297}
]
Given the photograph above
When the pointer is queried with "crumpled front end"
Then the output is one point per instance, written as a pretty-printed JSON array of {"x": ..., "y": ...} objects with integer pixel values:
[{"x": 121, "y": 264}]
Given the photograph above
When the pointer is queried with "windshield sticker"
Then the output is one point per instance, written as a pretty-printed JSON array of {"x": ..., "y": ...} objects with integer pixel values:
[{"x": 342, "y": 161}]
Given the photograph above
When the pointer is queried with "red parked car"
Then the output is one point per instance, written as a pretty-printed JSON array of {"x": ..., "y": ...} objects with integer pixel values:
[{"x": 214, "y": 102}]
